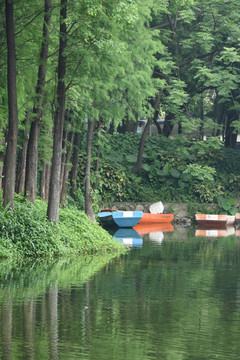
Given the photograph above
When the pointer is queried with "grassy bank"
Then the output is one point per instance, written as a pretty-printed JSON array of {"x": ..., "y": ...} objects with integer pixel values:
[{"x": 25, "y": 232}]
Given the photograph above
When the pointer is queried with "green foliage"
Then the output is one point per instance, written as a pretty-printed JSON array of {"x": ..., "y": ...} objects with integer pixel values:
[
  {"x": 25, "y": 232},
  {"x": 174, "y": 170},
  {"x": 228, "y": 205}
]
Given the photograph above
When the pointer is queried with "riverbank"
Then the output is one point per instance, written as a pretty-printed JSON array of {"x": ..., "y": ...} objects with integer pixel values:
[
  {"x": 25, "y": 232},
  {"x": 184, "y": 213}
]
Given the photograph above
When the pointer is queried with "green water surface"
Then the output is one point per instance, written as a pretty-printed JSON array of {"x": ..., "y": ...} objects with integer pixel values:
[{"x": 173, "y": 299}]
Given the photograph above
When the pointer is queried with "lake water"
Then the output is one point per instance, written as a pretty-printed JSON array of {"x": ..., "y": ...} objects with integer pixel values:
[{"x": 175, "y": 296}]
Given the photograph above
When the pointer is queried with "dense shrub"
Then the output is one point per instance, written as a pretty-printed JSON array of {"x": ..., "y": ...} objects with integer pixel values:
[
  {"x": 174, "y": 170},
  {"x": 25, "y": 231}
]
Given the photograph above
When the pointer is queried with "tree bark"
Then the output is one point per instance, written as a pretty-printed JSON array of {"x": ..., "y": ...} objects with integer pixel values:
[
  {"x": 2, "y": 142},
  {"x": 10, "y": 158},
  {"x": 230, "y": 134},
  {"x": 54, "y": 190},
  {"x": 74, "y": 170},
  {"x": 64, "y": 154},
  {"x": 138, "y": 165},
  {"x": 168, "y": 126},
  {"x": 128, "y": 126},
  {"x": 88, "y": 198},
  {"x": 22, "y": 155},
  {"x": 66, "y": 170},
  {"x": 32, "y": 151},
  {"x": 45, "y": 180}
]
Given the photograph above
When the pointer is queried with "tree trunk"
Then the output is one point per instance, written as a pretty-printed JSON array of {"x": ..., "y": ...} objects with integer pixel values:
[
  {"x": 22, "y": 155},
  {"x": 137, "y": 167},
  {"x": 88, "y": 198},
  {"x": 74, "y": 170},
  {"x": 42, "y": 180},
  {"x": 230, "y": 134},
  {"x": 97, "y": 166},
  {"x": 2, "y": 142},
  {"x": 66, "y": 170},
  {"x": 45, "y": 180},
  {"x": 128, "y": 126},
  {"x": 54, "y": 190},
  {"x": 10, "y": 158},
  {"x": 64, "y": 151},
  {"x": 168, "y": 126},
  {"x": 32, "y": 151}
]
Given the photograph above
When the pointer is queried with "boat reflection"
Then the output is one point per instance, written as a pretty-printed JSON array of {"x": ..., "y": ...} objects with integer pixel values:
[
  {"x": 211, "y": 232},
  {"x": 153, "y": 228},
  {"x": 133, "y": 236},
  {"x": 129, "y": 237}
]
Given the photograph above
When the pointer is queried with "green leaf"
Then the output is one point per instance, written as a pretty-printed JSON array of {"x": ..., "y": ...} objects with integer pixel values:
[
  {"x": 146, "y": 167},
  {"x": 175, "y": 173},
  {"x": 131, "y": 158}
]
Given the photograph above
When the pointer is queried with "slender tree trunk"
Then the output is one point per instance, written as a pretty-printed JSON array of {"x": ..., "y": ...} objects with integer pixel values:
[
  {"x": 2, "y": 142},
  {"x": 10, "y": 158},
  {"x": 88, "y": 198},
  {"x": 66, "y": 170},
  {"x": 22, "y": 155},
  {"x": 168, "y": 126},
  {"x": 137, "y": 167},
  {"x": 45, "y": 180},
  {"x": 64, "y": 154},
  {"x": 74, "y": 170},
  {"x": 128, "y": 126},
  {"x": 158, "y": 126},
  {"x": 32, "y": 151},
  {"x": 97, "y": 166},
  {"x": 231, "y": 135},
  {"x": 54, "y": 191}
]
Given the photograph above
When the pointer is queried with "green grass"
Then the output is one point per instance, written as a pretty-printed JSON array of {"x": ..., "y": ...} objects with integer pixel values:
[{"x": 25, "y": 232}]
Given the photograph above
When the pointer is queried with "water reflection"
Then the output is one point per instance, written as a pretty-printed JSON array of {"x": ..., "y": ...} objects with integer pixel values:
[
  {"x": 128, "y": 236},
  {"x": 218, "y": 232},
  {"x": 179, "y": 300},
  {"x": 133, "y": 236}
]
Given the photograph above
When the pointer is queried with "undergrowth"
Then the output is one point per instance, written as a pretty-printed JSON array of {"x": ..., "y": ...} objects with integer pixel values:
[{"x": 25, "y": 232}]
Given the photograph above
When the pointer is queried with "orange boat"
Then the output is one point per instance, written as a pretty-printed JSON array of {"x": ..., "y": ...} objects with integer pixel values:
[
  {"x": 209, "y": 220},
  {"x": 149, "y": 228},
  {"x": 230, "y": 230},
  {"x": 148, "y": 218}
]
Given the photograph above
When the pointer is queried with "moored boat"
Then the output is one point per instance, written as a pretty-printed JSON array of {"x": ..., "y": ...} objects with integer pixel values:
[
  {"x": 132, "y": 218},
  {"x": 212, "y": 220},
  {"x": 148, "y": 218},
  {"x": 120, "y": 218}
]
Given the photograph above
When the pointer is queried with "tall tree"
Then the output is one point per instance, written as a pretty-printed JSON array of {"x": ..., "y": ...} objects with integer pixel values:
[
  {"x": 10, "y": 158},
  {"x": 88, "y": 197},
  {"x": 32, "y": 151},
  {"x": 54, "y": 193}
]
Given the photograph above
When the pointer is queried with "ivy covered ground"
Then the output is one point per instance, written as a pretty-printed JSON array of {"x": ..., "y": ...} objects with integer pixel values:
[
  {"x": 25, "y": 232},
  {"x": 173, "y": 170}
]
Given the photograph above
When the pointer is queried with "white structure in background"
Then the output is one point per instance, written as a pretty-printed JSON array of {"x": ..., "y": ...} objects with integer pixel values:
[{"x": 156, "y": 208}]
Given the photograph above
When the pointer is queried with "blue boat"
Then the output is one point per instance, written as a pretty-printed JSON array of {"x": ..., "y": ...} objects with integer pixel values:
[
  {"x": 128, "y": 237},
  {"x": 121, "y": 219}
]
